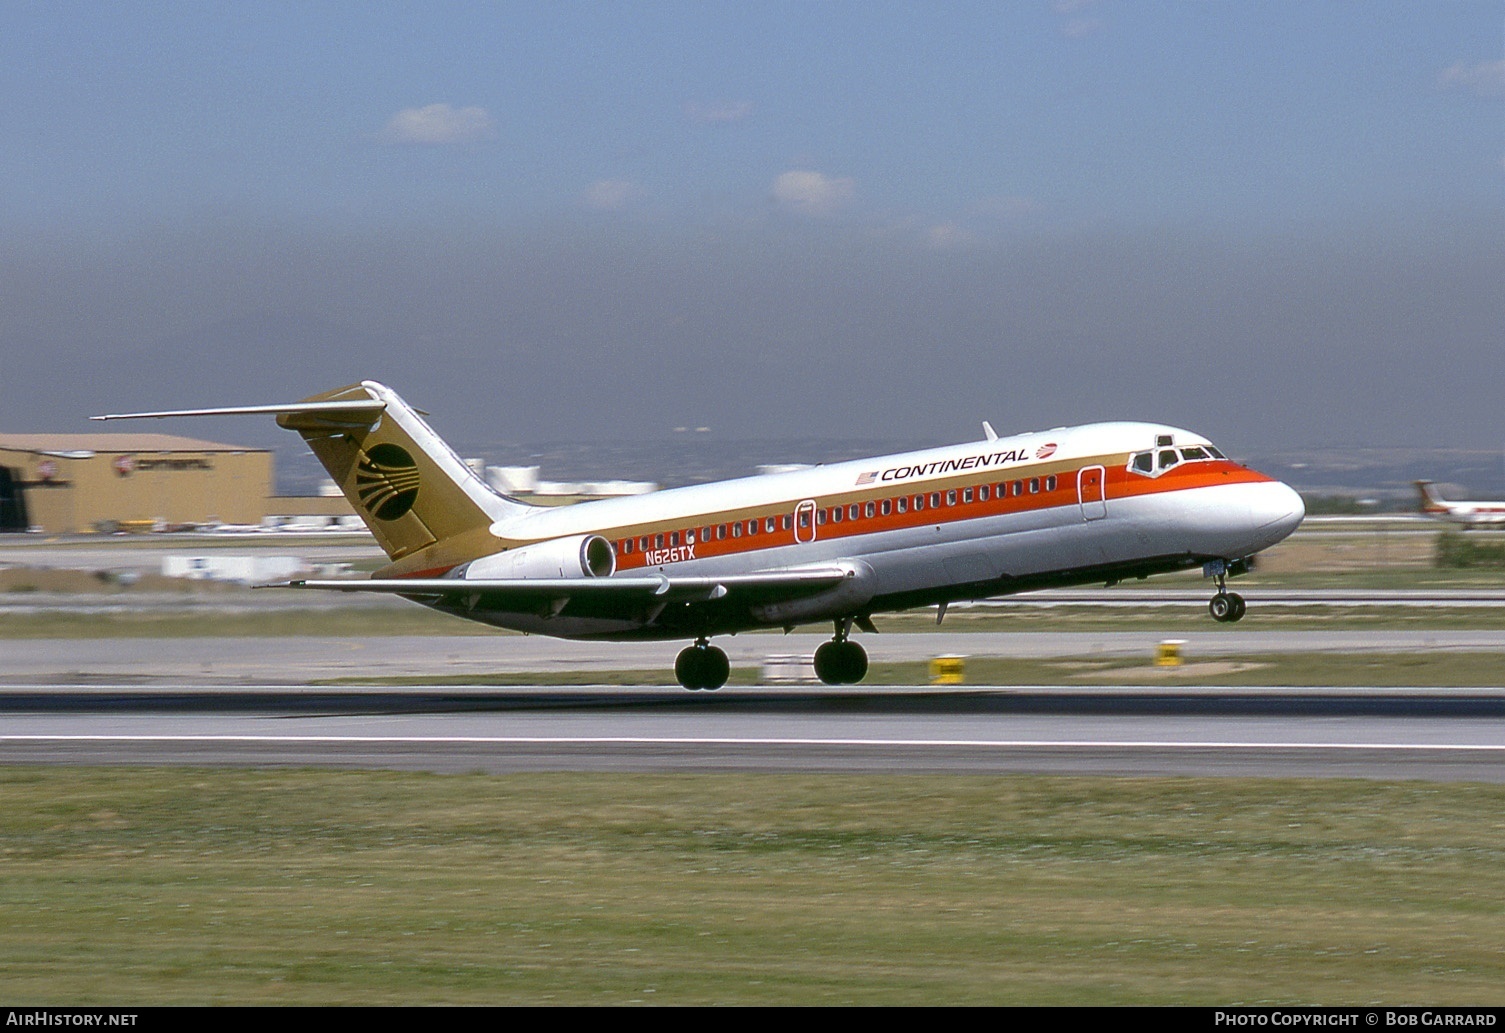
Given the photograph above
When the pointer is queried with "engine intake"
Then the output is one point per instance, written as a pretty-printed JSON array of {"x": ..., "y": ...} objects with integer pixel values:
[{"x": 581, "y": 555}]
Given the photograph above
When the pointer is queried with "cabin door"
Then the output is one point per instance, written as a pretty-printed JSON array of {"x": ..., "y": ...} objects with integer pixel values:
[
  {"x": 1089, "y": 491},
  {"x": 804, "y": 521}
]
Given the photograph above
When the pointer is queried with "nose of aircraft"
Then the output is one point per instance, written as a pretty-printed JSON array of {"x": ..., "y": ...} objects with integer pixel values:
[{"x": 1275, "y": 510}]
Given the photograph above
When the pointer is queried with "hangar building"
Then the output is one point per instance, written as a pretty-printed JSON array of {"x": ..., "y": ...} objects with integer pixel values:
[{"x": 66, "y": 483}]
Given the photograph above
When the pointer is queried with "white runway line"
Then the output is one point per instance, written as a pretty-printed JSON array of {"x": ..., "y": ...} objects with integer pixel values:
[{"x": 527, "y": 740}]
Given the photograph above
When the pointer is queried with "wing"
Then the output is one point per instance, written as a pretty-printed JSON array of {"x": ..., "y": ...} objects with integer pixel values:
[{"x": 529, "y": 593}]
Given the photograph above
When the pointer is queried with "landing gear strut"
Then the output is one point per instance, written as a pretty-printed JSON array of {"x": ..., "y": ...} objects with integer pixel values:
[
  {"x": 702, "y": 666},
  {"x": 841, "y": 661},
  {"x": 1226, "y": 607}
]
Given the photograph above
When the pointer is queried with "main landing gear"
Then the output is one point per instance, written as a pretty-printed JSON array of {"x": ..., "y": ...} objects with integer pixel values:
[
  {"x": 1226, "y": 607},
  {"x": 841, "y": 661},
  {"x": 702, "y": 666}
]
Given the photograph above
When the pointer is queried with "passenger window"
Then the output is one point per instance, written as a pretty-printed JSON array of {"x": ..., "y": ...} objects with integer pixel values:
[
  {"x": 673, "y": 539},
  {"x": 752, "y": 527},
  {"x": 870, "y": 510},
  {"x": 1050, "y": 483},
  {"x": 627, "y": 546},
  {"x": 855, "y": 512},
  {"x": 1034, "y": 485},
  {"x": 886, "y": 507},
  {"x": 737, "y": 529},
  {"x": 771, "y": 526},
  {"x": 919, "y": 503},
  {"x": 836, "y": 514},
  {"x": 935, "y": 500},
  {"x": 951, "y": 497},
  {"x": 966, "y": 494},
  {"x": 903, "y": 503},
  {"x": 721, "y": 532},
  {"x": 1018, "y": 487},
  {"x": 982, "y": 493}
]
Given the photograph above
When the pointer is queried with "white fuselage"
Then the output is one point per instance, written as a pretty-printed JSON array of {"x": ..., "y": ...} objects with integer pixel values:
[
  {"x": 1066, "y": 506},
  {"x": 1471, "y": 514}
]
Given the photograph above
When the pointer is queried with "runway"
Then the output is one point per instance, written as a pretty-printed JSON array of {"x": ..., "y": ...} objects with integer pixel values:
[
  {"x": 1443, "y": 735},
  {"x": 317, "y": 701}
]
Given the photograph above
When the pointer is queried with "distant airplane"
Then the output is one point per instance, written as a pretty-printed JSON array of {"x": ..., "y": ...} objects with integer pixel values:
[
  {"x": 1465, "y": 514},
  {"x": 839, "y": 543}
]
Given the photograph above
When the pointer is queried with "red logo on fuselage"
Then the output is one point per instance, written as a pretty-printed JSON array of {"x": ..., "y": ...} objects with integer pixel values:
[{"x": 1045, "y": 451}]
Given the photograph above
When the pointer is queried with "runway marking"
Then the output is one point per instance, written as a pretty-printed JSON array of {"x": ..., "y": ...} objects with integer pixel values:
[{"x": 457, "y": 740}]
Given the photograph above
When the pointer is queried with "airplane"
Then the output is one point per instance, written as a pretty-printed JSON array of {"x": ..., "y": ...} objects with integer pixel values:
[
  {"x": 1094, "y": 504},
  {"x": 1468, "y": 514}
]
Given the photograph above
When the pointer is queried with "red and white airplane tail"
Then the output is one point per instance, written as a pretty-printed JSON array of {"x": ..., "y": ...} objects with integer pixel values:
[{"x": 1466, "y": 514}]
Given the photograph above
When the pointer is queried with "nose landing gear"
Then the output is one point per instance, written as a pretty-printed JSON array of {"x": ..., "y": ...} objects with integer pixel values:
[
  {"x": 1226, "y": 607},
  {"x": 841, "y": 661},
  {"x": 702, "y": 666}
]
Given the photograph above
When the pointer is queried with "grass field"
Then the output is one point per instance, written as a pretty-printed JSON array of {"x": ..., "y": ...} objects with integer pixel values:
[{"x": 140, "y": 886}]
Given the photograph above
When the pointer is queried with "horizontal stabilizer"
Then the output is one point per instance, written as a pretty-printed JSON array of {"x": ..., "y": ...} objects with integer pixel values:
[{"x": 370, "y": 405}]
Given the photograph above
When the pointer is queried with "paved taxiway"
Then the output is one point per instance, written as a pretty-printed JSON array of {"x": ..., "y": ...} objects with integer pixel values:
[{"x": 298, "y": 660}]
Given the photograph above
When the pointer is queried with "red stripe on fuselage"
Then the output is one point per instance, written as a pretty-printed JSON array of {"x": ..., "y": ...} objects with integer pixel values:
[{"x": 1119, "y": 483}]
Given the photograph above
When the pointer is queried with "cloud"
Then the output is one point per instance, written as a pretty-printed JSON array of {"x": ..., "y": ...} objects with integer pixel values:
[
  {"x": 1008, "y": 206},
  {"x": 437, "y": 125},
  {"x": 948, "y": 235},
  {"x": 1486, "y": 79},
  {"x": 1076, "y": 28},
  {"x": 718, "y": 112},
  {"x": 1078, "y": 21},
  {"x": 610, "y": 195},
  {"x": 812, "y": 193}
]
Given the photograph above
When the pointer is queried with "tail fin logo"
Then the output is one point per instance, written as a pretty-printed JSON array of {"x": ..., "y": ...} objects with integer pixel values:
[{"x": 387, "y": 481}]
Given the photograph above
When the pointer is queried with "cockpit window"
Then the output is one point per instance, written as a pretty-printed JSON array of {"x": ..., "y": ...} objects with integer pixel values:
[{"x": 1155, "y": 462}]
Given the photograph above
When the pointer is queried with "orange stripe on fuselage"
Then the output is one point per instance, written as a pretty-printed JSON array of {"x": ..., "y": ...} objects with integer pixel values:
[{"x": 1119, "y": 483}]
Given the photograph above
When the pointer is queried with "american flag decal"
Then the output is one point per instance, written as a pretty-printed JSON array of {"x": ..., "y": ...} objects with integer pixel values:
[{"x": 868, "y": 478}]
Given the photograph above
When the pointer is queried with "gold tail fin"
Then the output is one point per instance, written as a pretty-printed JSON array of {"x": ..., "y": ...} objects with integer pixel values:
[
  {"x": 1431, "y": 502},
  {"x": 407, "y": 485}
]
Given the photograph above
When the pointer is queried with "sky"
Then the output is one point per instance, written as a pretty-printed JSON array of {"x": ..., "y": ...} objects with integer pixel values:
[{"x": 1279, "y": 224}]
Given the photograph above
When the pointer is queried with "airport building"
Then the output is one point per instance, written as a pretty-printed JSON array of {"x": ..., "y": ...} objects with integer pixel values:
[
  {"x": 82, "y": 483},
  {"x": 69, "y": 483}
]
